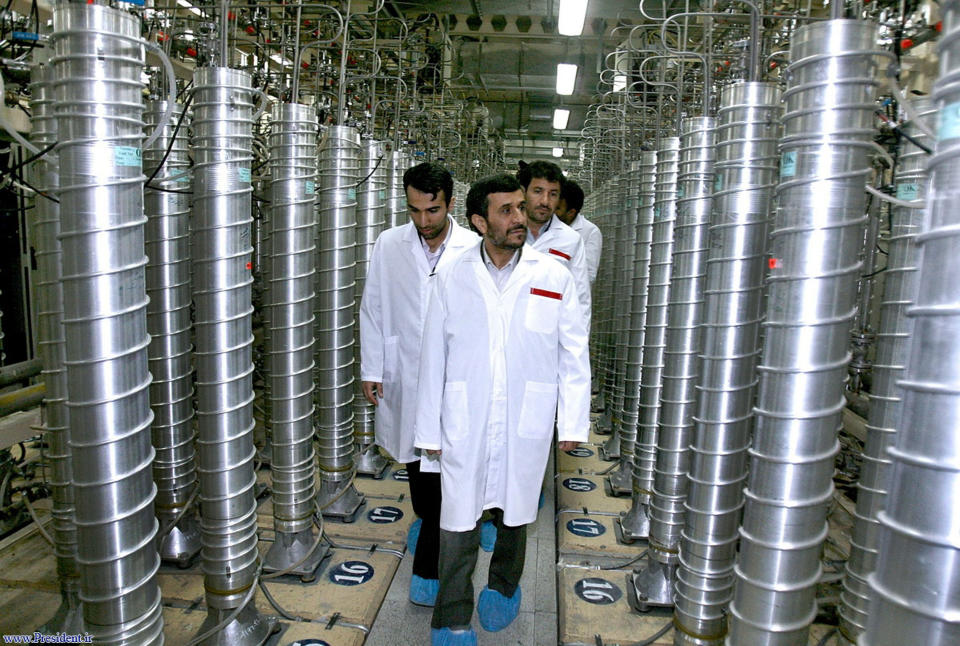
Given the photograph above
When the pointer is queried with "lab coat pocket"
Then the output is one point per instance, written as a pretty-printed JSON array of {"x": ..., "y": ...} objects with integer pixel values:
[
  {"x": 543, "y": 312},
  {"x": 454, "y": 415},
  {"x": 539, "y": 411},
  {"x": 391, "y": 356}
]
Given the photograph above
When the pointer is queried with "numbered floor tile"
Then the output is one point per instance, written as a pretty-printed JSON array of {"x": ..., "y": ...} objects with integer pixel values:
[
  {"x": 583, "y": 459},
  {"x": 381, "y": 521},
  {"x": 353, "y": 584},
  {"x": 592, "y": 536},
  {"x": 182, "y": 624},
  {"x": 575, "y": 491},
  {"x": 594, "y": 605}
]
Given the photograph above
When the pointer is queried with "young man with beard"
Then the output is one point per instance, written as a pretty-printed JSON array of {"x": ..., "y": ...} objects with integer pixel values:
[
  {"x": 392, "y": 316},
  {"x": 505, "y": 349}
]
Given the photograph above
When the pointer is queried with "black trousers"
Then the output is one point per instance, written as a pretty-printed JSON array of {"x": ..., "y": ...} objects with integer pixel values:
[
  {"x": 458, "y": 560},
  {"x": 425, "y": 496}
]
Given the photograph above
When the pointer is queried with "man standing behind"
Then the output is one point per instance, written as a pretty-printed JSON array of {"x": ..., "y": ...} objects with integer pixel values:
[
  {"x": 505, "y": 350},
  {"x": 541, "y": 184},
  {"x": 568, "y": 211},
  {"x": 391, "y": 324}
]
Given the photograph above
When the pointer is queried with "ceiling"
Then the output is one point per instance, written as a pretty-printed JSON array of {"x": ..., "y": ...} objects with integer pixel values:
[{"x": 505, "y": 53}]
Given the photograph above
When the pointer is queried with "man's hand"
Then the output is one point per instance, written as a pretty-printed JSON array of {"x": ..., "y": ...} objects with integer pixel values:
[
  {"x": 434, "y": 451},
  {"x": 568, "y": 446},
  {"x": 372, "y": 390}
]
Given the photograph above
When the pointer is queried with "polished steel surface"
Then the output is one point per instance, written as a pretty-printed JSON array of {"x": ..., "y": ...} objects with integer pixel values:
[
  {"x": 818, "y": 230},
  {"x": 893, "y": 344},
  {"x": 338, "y": 166},
  {"x": 640, "y": 196},
  {"x": 371, "y": 207},
  {"x": 97, "y": 61},
  {"x": 290, "y": 344},
  {"x": 654, "y": 338},
  {"x": 625, "y": 233},
  {"x": 50, "y": 347},
  {"x": 745, "y": 174},
  {"x": 915, "y": 588},
  {"x": 222, "y": 282},
  {"x": 167, "y": 207},
  {"x": 396, "y": 206}
]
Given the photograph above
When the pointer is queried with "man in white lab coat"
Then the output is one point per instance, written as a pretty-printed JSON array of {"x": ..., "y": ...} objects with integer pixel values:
[
  {"x": 392, "y": 314},
  {"x": 504, "y": 352},
  {"x": 568, "y": 210},
  {"x": 541, "y": 183}
]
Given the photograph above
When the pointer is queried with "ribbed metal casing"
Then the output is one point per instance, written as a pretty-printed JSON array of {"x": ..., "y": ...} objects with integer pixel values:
[
  {"x": 655, "y": 328},
  {"x": 915, "y": 589},
  {"x": 290, "y": 344},
  {"x": 222, "y": 282},
  {"x": 625, "y": 234},
  {"x": 818, "y": 231},
  {"x": 640, "y": 196},
  {"x": 599, "y": 329},
  {"x": 371, "y": 221},
  {"x": 683, "y": 336},
  {"x": 745, "y": 173},
  {"x": 170, "y": 327},
  {"x": 396, "y": 207},
  {"x": 50, "y": 339},
  {"x": 603, "y": 313},
  {"x": 893, "y": 345},
  {"x": 100, "y": 129},
  {"x": 339, "y": 172}
]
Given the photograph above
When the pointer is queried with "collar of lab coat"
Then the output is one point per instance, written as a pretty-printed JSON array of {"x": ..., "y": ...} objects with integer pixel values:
[{"x": 457, "y": 238}]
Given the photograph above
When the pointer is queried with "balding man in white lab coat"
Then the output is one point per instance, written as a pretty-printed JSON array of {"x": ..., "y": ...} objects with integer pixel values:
[{"x": 504, "y": 352}]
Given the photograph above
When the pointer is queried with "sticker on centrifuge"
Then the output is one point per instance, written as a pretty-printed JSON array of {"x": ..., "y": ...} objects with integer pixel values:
[
  {"x": 949, "y": 124},
  {"x": 384, "y": 515},
  {"x": 382, "y": 194},
  {"x": 580, "y": 452},
  {"x": 579, "y": 484},
  {"x": 351, "y": 573},
  {"x": 586, "y": 527},
  {"x": 126, "y": 156},
  {"x": 598, "y": 591},
  {"x": 788, "y": 164},
  {"x": 243, "y": 174},
  {"x": 908, "y": 192},
  {"x": 718, "y": 183},
  {"x": 311, "y": 188},
  {"x": 680, "y": 192},
  {"x": 351, "y": 193}
]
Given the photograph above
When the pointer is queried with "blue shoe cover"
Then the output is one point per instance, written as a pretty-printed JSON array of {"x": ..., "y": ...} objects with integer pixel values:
[
  {"x": 450, "y": 637},
  {"x": 496, "y": 611},
  {"x": 488, "y": 536},
  {"x": 413, "y": 536},
  {"x": 423, "y": 592}
]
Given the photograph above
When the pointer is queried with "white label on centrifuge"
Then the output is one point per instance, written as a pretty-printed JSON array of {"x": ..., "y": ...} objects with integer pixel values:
[{"x": 788, "y": 164}]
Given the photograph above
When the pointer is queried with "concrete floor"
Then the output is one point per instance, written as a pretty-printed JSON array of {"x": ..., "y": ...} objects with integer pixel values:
[{"x": 401, "y": 622}]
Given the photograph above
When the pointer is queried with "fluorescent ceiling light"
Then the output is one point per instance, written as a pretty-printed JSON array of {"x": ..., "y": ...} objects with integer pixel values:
[
  {"x": 560, "y": 118},
  {"x": 557, "y": 151},
  {"x": 572, "y": 15},
  {"x": 184, "y": 3},
  {"x": 619, "y": 82},
  {"x": 566, "y": 78},
  {"x": 281, "y": 60}
]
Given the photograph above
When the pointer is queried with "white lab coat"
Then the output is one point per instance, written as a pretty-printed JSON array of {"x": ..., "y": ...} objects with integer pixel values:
[
  {"x": 392, "y": 314},
  {"x": 592, "y": 244},
  {"x": 564, "y": 244},
  {"x": 495, "y": 369}
]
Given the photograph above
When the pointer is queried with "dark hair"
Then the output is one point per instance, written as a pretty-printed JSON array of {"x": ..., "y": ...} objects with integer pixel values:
[
  {"x": 478, "y": 197},
  {"x": 431, "y": 178},
  {"x": 572, "y": 194},
  {"x": 540, "y": 170}
]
